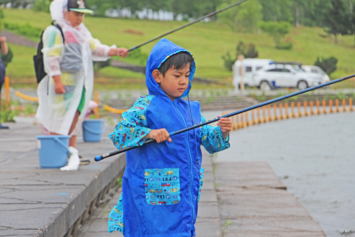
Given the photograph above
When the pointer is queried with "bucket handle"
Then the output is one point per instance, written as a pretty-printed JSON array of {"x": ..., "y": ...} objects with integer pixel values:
[
  {"x": 96, "y": 132},
  {"x": 62, "y": 144}
]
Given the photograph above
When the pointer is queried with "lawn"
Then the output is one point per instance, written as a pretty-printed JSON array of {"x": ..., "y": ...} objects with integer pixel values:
[{"x": 206, "y": 41}]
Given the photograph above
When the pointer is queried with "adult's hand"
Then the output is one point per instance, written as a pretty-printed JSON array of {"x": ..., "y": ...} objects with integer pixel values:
[
  {"x": 59, "y": 87},
  {"x": 3, "y": 39},
  {"x": 123, "y": 52}
]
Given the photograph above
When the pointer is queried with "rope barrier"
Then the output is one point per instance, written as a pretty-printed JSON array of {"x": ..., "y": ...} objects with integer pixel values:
[
  {"x": 113, "y": 110},
  {"x": 283, "y": 111},
  {"x": 26, "y": 97}
]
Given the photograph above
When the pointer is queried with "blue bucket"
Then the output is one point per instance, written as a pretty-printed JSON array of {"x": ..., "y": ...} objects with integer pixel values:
[
  {"x": 53, "y": 151},
  {"x": 92, "y": 130}
]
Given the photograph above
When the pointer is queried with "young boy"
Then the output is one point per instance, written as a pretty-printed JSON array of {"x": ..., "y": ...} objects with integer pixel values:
[{"x": 161, "y": 183}]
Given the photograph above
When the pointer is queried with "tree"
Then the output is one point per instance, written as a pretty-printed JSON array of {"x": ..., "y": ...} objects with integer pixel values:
[
  {"x": 244, "y": 18},
  {"x": 41, "y": 5},
  {"x": 277, "y": 30},
  {"x": 277, "y": 10},
  {"x": 335, "y": 18}
]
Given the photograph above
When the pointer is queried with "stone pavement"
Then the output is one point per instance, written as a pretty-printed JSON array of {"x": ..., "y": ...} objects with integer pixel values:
[
  {"x": 254, "y": 202},
  {"x": 47, "y": 202}
]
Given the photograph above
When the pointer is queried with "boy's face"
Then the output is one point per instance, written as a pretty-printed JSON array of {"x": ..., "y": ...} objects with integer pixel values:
[
  {"x": 175, "y": 82},
  {"x": 75, "y": 18}
]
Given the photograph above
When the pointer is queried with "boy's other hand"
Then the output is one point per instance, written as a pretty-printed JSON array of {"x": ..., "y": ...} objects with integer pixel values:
[
  {"x": 159, "y": 135},
  {"x": 226, "y": 126}
]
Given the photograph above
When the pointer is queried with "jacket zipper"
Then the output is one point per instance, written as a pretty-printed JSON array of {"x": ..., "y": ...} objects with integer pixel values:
[{"x": 191, "y": 164}]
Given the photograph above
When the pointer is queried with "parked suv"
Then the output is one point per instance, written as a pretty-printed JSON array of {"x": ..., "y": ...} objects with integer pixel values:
[{"x": 281, "y": 75}]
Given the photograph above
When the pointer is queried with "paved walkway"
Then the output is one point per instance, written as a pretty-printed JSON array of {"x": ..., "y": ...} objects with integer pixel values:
[
  {"x": 238, "y": 199},
  {"x": 47, "y": 202}
]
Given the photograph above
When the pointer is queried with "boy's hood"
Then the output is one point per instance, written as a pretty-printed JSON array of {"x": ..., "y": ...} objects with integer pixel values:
[{"x": 161, "y": 52}]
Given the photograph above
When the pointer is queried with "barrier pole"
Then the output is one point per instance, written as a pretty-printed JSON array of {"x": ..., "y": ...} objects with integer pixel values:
[
  {"x": 268, "y": 118},
  {"x": 304, "y": 109},
  {"x": 263, "y": 113},
  {"x": 274, "y": 117},
  {"x": 251, "y": 122},
  {"x": 350, "y": 105},
  {"x": 285, "y": 115},
  {"x": 324, "y": 109},
  {"x": 292, "y": 114},
  {"x": 245, "y": 124},
  {"x": 7, "y": 90},
  {"x": 343, "y": 109},
  {"x": 317, "y": 109},
  {"x": 336, "y": 106},
  {"x": 279, "y": 117},
  {"x": 96, "y": 98},
  {"x": 330, "y": 106},
  {"x": 256, "y": 121},
  {"x": 311, "y": 104}
]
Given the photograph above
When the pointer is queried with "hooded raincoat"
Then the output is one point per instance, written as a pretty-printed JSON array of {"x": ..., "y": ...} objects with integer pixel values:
[
  {"x": 72, "y": 59},
  {"x": 161, "y": 183}
]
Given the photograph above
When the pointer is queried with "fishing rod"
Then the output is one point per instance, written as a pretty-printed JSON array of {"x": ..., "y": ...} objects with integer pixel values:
[
  {"x": 101, "y": 157},
  {"x": 191, "y": 23}
]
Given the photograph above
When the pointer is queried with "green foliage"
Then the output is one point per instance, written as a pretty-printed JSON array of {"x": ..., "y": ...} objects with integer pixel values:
[
  {"x": 41, "y": 5},
  {"x": 23, "y": 29},
  {"x": 277, "y": 10},
  {"x": 138, "y": 56},
  {"x": 228, "y": 61},
  {"x": 336, "y": 18},
  {"x": 7, "y": 114},
  {"x": 6, "y": 59},
  {"x": 277, "y": 30},
  {"x": 244, "y": 18},
  {"x": 248, "y": 51},
  {"x": 329, "y": 65}
]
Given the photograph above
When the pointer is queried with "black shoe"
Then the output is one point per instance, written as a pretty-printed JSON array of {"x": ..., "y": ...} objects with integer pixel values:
[{"x": 3, "y": 126}]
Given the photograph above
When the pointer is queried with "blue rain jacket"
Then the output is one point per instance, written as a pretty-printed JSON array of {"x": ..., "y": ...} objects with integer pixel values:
[{"x": 161, "y": 183}]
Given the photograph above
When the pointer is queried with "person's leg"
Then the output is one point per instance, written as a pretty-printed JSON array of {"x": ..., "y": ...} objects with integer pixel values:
[
  {"x": 2, "y": 80},
  {"x": 72, "y": 140}
]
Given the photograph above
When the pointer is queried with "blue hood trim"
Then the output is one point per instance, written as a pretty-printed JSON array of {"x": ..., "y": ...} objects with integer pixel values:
[{"x": 160, "y": 53}]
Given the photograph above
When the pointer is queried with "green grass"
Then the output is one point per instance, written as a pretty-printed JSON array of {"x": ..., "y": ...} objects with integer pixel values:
[{"x": 206, "y": 41}]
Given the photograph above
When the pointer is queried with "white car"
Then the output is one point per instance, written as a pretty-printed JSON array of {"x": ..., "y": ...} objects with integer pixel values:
[
  {"x": 316, "y": 70},
  {"x": 284, "y": 75}
]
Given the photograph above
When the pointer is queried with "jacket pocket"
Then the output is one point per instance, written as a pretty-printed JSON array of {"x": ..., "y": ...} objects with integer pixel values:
[
  {"x": 162, "y": 186},
  {"x": 202, "y": 178}
]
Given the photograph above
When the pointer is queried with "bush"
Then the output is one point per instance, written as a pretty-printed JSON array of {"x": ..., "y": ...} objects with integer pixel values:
[
  {"x": 248, "y": 52},
  {"x": 228, "y": 61},
  {"x": 99, "y": 65},
  {"x": 329, "y": 65},
  {"x": 25, "y": 30},
  {"x": 138, "y": 56},
  {"x": 286, "y": 46}
]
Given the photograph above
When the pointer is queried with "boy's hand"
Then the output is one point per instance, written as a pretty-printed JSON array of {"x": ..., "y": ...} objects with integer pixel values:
[
  {"x": 226, "y": 126},
  {"x": 59, "y": 87},
  {"x": 159, "y": 135}
]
